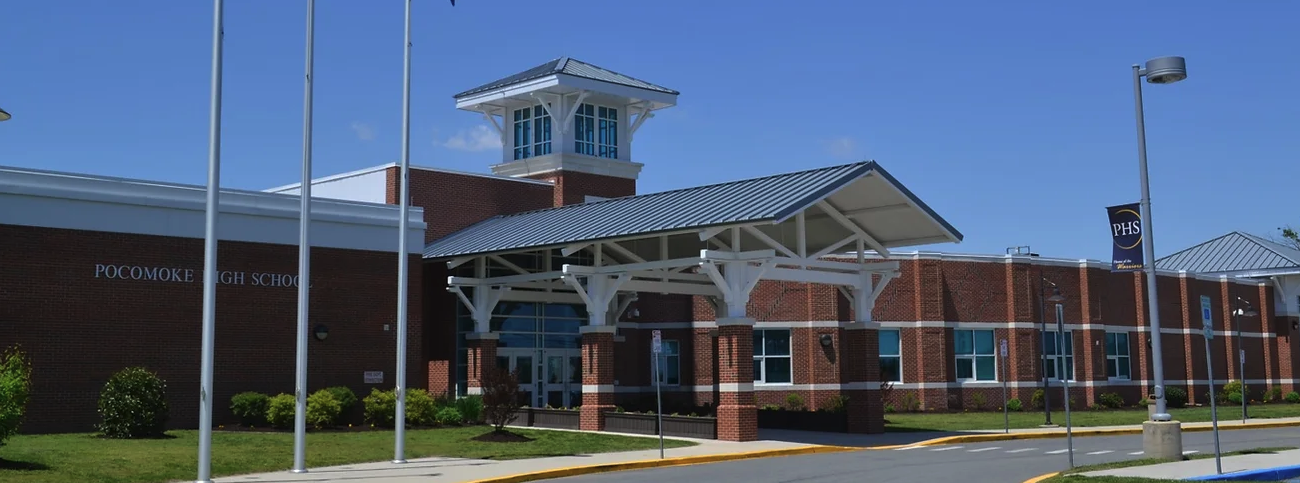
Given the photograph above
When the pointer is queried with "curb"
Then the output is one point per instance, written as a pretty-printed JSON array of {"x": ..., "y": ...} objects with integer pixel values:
[
  {"x": 982, "y": 438},
  {"x": 662, "y": 463},
  {"x": 1039, "y": 478}
]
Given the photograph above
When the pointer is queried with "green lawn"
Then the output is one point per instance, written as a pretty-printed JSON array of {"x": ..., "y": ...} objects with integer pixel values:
[
  {"x": 87, "y": 458},
  {"x": 907, "y": 422},
  {"x": 1073, "y": 476}
]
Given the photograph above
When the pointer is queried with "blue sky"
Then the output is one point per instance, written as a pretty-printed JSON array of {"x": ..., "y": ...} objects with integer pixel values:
[{"x": 1014, "y": 120}]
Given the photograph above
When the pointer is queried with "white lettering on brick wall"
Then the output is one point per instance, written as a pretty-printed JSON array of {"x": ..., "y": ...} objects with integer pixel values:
[{"x": 189, "y": 275}]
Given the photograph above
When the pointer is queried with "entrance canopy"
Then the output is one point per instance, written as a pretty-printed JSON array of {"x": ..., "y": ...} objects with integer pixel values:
[{"x": 716, "y": 240}]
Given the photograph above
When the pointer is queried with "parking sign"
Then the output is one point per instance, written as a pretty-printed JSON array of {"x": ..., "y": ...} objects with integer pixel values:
[{"x": 656, "y": 344}]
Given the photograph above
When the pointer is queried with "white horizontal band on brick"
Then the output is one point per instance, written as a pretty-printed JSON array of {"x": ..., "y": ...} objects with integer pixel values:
[
  {"x": 597, "y": 329},
  {"x": 1059, "y": 262},
  {"x": 1056, "y": 383},
  {"x": 735, "y": 322},
  {"x": 827, "y": 324},
  {"x": 736, "y": 387},
  {"x": 597, "y": 388},
  {"x": 474, "y": 391},
  {"x": 116, "y": 205}
]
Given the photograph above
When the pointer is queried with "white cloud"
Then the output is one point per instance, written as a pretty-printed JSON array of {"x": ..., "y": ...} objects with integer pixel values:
[
  {"x": 364, "y": 131},
  {"x": 842, "y": 147},
  {"x": 480, "y": 138}
]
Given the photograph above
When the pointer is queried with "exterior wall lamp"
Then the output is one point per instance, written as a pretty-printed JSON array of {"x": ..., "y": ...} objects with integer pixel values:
[
  {"x": 321, "y": 332},
  {"x": 826, "y": 340},
  {"x": 5, "y": 116}
]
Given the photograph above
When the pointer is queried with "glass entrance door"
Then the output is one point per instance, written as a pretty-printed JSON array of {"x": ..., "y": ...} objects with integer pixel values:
[{"x": 547, "y": 377}]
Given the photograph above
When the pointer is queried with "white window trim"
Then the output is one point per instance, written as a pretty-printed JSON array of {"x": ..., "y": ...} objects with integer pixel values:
[
  {"x": 663, "y": 359},
  {"x": 973, "y": 357},
  {"x": 530, "y": 120},
  {"x": 899, "y": 356},
  {"x": 1055, "y": 359},
  {"x": 758, "y": 360},
  {"x": 594, "y": 127},
  {"x": 1128, "y": 359}
]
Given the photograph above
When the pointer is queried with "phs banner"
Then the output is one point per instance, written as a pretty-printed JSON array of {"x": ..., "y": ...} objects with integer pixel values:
[{"x": 1126, "y": 237}]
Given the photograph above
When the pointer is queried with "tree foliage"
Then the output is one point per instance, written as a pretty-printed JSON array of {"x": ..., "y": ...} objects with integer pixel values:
[{"x": 1290, "y": 237}]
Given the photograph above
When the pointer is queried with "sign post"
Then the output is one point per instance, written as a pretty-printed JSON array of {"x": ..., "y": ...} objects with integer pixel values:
[
  {"x": 1207, "y": 328},
  {"x": 1006, "y": 414},
  {"x": 1065, "y": 380},
  {"x": 656, "y": 348},
  {"x": 1242, "y": 369}
]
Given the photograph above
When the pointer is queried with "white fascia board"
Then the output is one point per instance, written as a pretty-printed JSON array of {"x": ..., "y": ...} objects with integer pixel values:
[
  {"x": 507, "y": 92},
  {"x": 812, "y": 276},
  {"x": 620, "y": 90}
]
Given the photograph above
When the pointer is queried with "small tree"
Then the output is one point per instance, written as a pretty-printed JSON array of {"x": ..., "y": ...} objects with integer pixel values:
[
  {"x": 133, "y": 404},
  {"x": 15, "y": 388},
  {"x": 1289, "y": 237},
  {"x": 500, "y": 397}
]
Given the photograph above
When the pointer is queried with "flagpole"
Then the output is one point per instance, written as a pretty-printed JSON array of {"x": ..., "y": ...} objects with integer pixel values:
[
  {"x": 210, "y": 254},
  {"x": 399, "y": 448},
  {"x": 304, "y": 257}
]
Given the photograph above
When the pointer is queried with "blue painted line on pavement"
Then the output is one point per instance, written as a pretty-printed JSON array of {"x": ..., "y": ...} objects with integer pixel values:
[{"x": 1267, "y": 474}]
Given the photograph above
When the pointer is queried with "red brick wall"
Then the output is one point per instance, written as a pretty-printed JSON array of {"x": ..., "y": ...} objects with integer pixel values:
[
  {"x": 454, "y": 201},
  {"x": 572, "y": 187},
  {"x": 79, "y": 330}
]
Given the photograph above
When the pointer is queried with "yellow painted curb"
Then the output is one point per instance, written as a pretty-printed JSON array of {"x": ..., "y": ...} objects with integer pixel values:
[
  {"x": 988, "y": 437},
  {"x": 1039, "y": 478},
  {"x": 661, "y": 463}
]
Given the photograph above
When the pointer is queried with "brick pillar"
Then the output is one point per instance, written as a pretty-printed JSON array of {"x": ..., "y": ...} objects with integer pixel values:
[
  {"x": 597, "y": 375},
  {"x": 934, "y": 344},
  {"x": 862, "y": 377},
  {"x": 482, "y": 349},
  {"x": 737, "y": 414},
  {"x": 1268, "y": 344}
]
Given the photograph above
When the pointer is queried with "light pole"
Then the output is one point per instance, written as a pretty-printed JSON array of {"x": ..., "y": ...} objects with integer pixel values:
[
  {"x": 1162, "y": 70},
  {"x": 4, "y": 115},
  {"x": 1065, "y": 378},
  {"x": 1042, "y": 340},
  {"x": 1248, "y": 311}
]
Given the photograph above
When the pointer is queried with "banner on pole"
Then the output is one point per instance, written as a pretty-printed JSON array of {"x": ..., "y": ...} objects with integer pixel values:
[
  {"x": 656, "y": 342},
  {"x": 1126, "y": 237}
]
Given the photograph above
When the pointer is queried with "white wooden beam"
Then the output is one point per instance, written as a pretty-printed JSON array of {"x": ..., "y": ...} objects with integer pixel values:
[
  {"x": 507, "y": 264},
  {"x": 628, "y": 267},
  {"x": 835, "y": 246},
  {"x": 545, "y": 104},
  {"x": 874, "y": 210},
  {"x": 571, "y": 249},
  {"x": 625, "y": 252},
  {"x": 770, "y": 242},
  {"x": 853, "y": 227},
  {"x": 464, "y": 300},
  {"x": 708, "y": 233},
  {"x": 456, "y": 262},
  {"x": 811, "y": 276},
  {"x": 801, "y": 232},
  {"x": 718, "y": 280},
  {"x": 874, "y": 267},
  {"x": 641, "y": 118}
]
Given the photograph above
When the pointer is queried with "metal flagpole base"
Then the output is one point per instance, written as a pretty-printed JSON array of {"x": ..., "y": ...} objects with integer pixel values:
[
  {"x": 398, "y": 462},
  {"x": 298, "y": 471}
]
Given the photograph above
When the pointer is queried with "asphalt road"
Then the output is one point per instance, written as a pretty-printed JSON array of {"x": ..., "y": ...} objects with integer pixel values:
[{"x": 995, "y": 462}]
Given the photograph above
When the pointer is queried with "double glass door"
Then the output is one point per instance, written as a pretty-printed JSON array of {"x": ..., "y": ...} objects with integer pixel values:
[{"x": 547, "y": 377}]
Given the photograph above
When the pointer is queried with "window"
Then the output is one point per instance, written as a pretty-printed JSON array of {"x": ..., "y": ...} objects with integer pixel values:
[
  {"x": 1058, "y": 361},
  {"x": 670, "y": 363},
  {"x": 1117, "y": 355},
  {"x": 532, "y": 132},
  {"x": 596, "y": 131},
  {"x": 891, "y": 361},
  {"x": 975, "y": 358},
  {"x": 772, "y": 356}
]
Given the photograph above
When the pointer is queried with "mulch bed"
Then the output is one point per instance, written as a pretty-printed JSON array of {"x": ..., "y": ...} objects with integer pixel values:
[{"x": 501, "y": 437}]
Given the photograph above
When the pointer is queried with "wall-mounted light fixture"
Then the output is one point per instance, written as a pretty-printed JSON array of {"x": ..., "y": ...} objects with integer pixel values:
[
  {"x": 826, "y": 340},
  {"x": 321, "y": 332}
]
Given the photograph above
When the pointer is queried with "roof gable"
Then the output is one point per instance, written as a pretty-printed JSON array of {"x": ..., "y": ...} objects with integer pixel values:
[
  {"x": 568, "y": 66},
  {"x": 1233, "y": 252},
  {"x": 770, "y": 199}
]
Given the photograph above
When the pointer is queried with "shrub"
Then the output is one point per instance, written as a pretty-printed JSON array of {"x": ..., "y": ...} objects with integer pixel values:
[
  {"x": 889, "y": 408},
  {"x": 449, "y": 415},
  {"x": 1175, "y": 397},
  {"x": 1275, "y": 394},
  {"x": 1293, "y": 397},
  {"x": 1015, "y": 405},
  {"x": 323, "y": 409},
  {"x": 380, "y": 407},
  {"x": 1234, "y": 397},
  {"x": 911, "y": 403},
  {"x": 133, "y": 404},
  {"x": 837, "y": 404},
  {"x": 15, "y": 389},
  {"x": 250, "y": 407},
  {"x": 471, "y": 409},
  {"x": 421, "y": 410},
  {"x": 1144, "y": 402},
  {"x": 1111, "y": 400},
  {"x": 280, "y": 411},
  {"x": 794, "y": 402},
  {"x": 1037, "y": 399},
  {"x": 1231, "y": 392},
  {"x": 772, "y": 407},
  {"x": 344, "y": 395},
  {"x": 500, "y": 397},
  {"x": 979, "y": 400}
]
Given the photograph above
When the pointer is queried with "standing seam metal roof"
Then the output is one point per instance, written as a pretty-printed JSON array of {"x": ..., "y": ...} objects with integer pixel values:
[
  {"x": 767, "y": 198},
  {"x": 1233, "y": 252},
  {"x": 573, "y": 67}
]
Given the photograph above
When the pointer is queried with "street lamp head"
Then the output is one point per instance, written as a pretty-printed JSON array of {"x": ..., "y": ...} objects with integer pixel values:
[
  {"x": 1056, "y": 296},
  {"x": 4, "y": 116},
  {"x": 1166, "y": 70}
]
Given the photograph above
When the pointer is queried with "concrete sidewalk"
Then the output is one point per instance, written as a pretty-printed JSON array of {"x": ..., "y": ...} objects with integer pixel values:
[{"x": 1241, "y": 466}]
